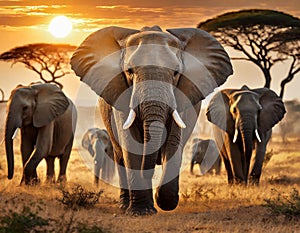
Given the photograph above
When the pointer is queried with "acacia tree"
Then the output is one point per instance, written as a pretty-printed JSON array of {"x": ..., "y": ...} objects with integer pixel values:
[
  {"x": 49, "y": 61},
  {"x": 264, "y": 37}
]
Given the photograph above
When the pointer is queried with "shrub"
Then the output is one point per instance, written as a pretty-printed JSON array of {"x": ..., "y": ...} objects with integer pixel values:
[
  {"x": 198, "y": 192},
  {"x": 26, "y": 221},
  {"x": 79, "y": 197},
  {"x": 283, "y": 204}
]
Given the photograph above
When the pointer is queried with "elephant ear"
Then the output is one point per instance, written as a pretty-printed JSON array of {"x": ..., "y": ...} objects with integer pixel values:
[
  {"x": 97, "y": 61},
  {"x": 206, "y": 65},
  {"x": 51, "y": 102},
  {"x": 272, "y": 110},
  {"x": 218, "y": 111}
]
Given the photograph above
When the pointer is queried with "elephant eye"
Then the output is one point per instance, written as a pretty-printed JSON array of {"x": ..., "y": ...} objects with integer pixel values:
[
  {"x": 234, "y": 110},
  {"x": 130, "y": 71},
  {"x": 25, "y": 108}
]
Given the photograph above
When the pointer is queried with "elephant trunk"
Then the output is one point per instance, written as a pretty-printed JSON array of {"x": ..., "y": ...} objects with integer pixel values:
[
  {"x": 247, "y": 134},
  {"x": 154, "y": 129},
  {"x": 11, "y": 128}
]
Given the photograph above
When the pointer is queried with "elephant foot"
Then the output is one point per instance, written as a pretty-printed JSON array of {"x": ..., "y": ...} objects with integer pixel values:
[
  {"x": 32, "y": 181},
  {"x": 124, "y": 199},
  {"x": 166, "y": 196},
  {"x": 141, "y": 210},
  {"x": 254, "y": 181},
  {"x": 50, "y": 180},
  {"x": 62, "y": 180},
  {"x": 166, "y": 202}
]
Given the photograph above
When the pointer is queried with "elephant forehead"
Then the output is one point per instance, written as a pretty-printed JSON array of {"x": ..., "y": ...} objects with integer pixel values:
[
  {"x": 153, "y": 37},
  {"x": 152, "y": 55}
]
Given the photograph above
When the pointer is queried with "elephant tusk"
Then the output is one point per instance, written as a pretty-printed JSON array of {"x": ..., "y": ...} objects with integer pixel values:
[
  {"x": 257, "y": 135},
  {"x": 15, "y": 133},
  {"x": 236, "y": 133},
  {"x": 130, "y": 119},
  {"x": 178, "y": 119}
]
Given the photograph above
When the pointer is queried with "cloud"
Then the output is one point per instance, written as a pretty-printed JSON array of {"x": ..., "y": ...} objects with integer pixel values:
[{"x": 93, "y": 14}]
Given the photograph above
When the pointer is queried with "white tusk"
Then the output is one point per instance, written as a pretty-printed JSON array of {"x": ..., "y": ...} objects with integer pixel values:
[
  {"x": 257, "y": 135},
  {"x": 15, "y": 133},
  {"x": 236, "y": 133},
  {"x": 178, "y": 119},
  {"x": 130, "y": 119}
]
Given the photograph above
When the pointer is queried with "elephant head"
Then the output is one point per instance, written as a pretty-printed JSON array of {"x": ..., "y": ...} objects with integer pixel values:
[
  {"x": 93, "y": 135},
  {"x": 145, "y": 73},
  {"x": 245, "y": 114},
  {"x": 36, "y": 106}
]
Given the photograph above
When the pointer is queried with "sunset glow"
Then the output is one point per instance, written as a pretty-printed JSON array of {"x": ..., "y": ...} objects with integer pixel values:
[{"x": 60, "y": 26}]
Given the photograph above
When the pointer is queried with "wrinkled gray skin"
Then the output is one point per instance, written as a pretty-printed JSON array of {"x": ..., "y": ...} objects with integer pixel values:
[
  {"x": 47, "y": 120},
  {"x": 237, "y": 114},
  {"x": 98, "y": 144},
  {"x": 207, "y": 150},
  {"x": 145, "y": 77}
]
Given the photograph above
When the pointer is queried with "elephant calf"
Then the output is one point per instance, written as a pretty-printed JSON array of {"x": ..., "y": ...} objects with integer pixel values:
[
  {"x": 98, "y": 144},
  {"x": 47, "y": 120},
  {"x": 206, "y": 154}
]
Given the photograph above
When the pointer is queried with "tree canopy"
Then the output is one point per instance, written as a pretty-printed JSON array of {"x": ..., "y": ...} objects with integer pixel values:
[
  {"x": 265, "y": 37},
  {"x": 49, "y": 61}
]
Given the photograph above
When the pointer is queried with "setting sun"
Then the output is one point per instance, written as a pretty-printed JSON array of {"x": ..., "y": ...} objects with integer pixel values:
[{"x": 60, "y": 26}]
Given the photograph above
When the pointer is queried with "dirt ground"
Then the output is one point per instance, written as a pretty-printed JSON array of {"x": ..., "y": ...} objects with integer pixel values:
[{"x": 207, "y": 203}]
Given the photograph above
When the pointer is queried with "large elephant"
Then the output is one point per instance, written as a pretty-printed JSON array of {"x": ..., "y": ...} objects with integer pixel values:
[
  {"x": 98, "y": 144},
  {"x": 243, "y": 120},
  {"x": 151, "y": 83},
  {"x": 205, "y": 153},
  {"x": 47, "y": 120}
]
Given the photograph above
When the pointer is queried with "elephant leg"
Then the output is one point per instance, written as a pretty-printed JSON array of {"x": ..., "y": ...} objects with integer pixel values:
[
  {"x": 258, "y": 162},
  {"x": 166, "y": 196},
  {"x": 50, "y": 169},
  {"x": 228, "y": 170},
  {"x": 97, "y": 167},
  {"x": 30, "y": 174},
  {"x": 217, "y": 166},
  {"x": 124, "y": 192},
  {"x": 27, "y": 148},
  {"x": 140, "y": 189},
  {"x": 63, "y": 163},
  {"x": 42, "y": 150}
]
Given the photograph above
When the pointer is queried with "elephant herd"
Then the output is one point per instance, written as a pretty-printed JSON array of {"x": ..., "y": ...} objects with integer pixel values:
[{"x": 150, "y": 83}]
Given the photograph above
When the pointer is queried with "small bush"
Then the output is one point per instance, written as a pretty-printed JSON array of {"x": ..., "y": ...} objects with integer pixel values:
[
  {"x": 198, "y": 192},
  {"x": 283, "y": 204},
  {"x": 26, "y": 221},
  {"x": 79, "y": 197},
  {"x": 281, "y": 179}
]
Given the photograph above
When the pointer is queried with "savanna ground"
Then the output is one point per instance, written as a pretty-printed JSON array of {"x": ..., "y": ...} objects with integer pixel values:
[{"x": 207, "y": 203}]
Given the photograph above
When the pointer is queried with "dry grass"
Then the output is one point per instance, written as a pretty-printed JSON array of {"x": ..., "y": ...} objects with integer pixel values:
[{"x": 213, "y": 206}]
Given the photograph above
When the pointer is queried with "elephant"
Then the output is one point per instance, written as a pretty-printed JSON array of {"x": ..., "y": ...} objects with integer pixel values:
[
  {"x": 206, "y": 154},
  {"x": 47, "y": 119},
  {"x": 242, "y": 125},
  {"x": 99, "y": 146},
  {"x": 150, "y": 83}
]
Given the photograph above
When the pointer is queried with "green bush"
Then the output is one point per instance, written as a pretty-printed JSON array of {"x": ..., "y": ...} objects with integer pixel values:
[
  {"x": 26, "y": 221},
  {"x": 283, "y": 204}
]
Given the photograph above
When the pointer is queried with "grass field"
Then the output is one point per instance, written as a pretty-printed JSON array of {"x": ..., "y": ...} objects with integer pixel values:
[{"x": 207, "y": 203}]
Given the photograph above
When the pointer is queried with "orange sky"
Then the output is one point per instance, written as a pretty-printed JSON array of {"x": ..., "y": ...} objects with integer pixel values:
[{"x": 23, "y": 22}]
